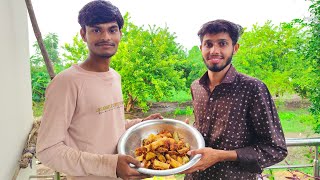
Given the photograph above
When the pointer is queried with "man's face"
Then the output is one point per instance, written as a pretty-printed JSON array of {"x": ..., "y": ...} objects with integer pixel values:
[
  {"x": 102, "y": 39},
  {"x": 217, "y": 51}
]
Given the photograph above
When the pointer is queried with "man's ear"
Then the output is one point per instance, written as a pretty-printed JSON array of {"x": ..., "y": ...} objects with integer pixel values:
[
  {"x": 83, "y": 34},
  {"x": 235, "y": 48},
  {"x": 200, "y": 47}
]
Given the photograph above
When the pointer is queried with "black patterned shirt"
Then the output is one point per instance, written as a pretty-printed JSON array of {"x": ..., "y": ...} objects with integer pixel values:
[{"x": 239, "y": 114}]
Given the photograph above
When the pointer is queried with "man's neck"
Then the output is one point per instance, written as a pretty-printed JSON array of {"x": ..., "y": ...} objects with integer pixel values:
[
  {"x": 96, "y": 64},
  {"x": 215, "y": 78}
]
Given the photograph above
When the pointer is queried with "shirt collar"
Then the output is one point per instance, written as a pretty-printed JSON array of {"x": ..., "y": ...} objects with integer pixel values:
[{"x": 228, "y": 78}]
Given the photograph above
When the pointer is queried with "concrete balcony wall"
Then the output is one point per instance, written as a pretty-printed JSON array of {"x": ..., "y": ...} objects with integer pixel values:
[{"x": 15, "y": 85}]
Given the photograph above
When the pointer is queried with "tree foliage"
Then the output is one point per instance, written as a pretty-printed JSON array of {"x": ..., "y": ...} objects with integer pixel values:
[
  {"x": 195, "y": 66},
  {"x": 273, "y": 54},
  {"x": 310, "y": 87},
  {"x": 51, "y": 42},
  {"x": 153, "y": 65},
  {"x": 39, "y": 75},
  {"x": 75, "y": 52},
  {"x": 147, "y": 60},
  {"x": 39, "y": 81}
]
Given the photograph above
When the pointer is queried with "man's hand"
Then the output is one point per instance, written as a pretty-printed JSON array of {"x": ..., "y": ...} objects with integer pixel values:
[
  {"x": 209, "y": 157},
  {"x": 125, "y": 172},
  {"x": 153, "y": 116}
]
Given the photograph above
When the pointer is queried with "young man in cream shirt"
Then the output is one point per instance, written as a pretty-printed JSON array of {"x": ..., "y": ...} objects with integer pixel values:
[{"x": 83, "y": 116}]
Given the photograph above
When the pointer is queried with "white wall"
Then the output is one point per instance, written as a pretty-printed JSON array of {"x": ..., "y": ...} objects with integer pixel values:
[{"x": 15, "y": 85}]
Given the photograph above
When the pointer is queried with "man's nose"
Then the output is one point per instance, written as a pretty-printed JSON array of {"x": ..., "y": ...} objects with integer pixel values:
[
  {"x": 105, "y": 35},
  {"x": 214, "y": 50}
]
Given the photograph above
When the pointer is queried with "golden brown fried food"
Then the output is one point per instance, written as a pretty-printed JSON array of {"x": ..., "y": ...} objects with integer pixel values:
[
  {"x": 160, "y": 165},
  {"x": 163, "y": 151}
]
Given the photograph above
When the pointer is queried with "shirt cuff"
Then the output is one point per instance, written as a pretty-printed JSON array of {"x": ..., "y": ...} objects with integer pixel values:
[
  {"x": 248, "y": 159},
  {"x": 110, "y": 162}
]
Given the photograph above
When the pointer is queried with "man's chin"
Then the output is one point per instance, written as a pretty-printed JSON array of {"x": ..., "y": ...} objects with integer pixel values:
[
  {"x": 106, "y": 55},
  {"x": 217, "y": 68}
]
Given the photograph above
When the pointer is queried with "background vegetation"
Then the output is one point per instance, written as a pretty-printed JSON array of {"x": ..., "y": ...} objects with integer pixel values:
[{"x": 154, "y": 68}]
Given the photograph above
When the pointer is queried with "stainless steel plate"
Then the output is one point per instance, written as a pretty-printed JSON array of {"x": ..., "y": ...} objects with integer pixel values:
[{"x": 132, "y": 138}]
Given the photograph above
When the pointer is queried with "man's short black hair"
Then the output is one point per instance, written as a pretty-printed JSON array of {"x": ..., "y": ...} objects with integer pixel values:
[
  {"x": 98, "y": 12},
  {"x": 220, "y": 25}
]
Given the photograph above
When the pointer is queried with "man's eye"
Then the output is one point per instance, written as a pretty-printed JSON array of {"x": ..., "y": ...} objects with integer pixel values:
[
  {"x": 222, "y": 44},
  {"x": 208, "y": 45},
  {"x": 113, "y": 30},
  {"x": 96, "y": 30}
]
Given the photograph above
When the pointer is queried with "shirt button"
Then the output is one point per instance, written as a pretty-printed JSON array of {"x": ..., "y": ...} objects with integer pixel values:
[
  {"x": 208, "y": 117},
  {"x": 211, "y": 99}
]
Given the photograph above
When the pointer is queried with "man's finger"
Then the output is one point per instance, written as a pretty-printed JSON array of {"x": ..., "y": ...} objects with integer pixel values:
[
  {"x": 133, "y": 172},
  {"x": 158, "y": 115},
  {"x": 133, "y": 161},
  {"x": 141, "y": 176},
  {"x": 194, "y": 152},
  {"x": 186, "y": 121},
  {"x": 189, "y": 171}
]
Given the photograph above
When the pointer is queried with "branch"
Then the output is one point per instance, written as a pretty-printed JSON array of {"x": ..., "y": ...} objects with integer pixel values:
[{"x": 39, "y": 39}]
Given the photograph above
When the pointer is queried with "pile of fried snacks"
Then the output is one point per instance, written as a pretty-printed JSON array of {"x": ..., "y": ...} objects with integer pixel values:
[{"x": 163, "y": 151}]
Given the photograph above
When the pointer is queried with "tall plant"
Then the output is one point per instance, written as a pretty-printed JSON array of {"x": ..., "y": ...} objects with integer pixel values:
[
  {"x": 39, "y": 75},
  {"x": 313, "y": 54},
  {"x": 75, "y": 52},
  {"x": 51, "y": 43},
  {"x": 196, "y": 65},
  {"x": 274, "y": 54},
  {"x": 147, "y": 60}
]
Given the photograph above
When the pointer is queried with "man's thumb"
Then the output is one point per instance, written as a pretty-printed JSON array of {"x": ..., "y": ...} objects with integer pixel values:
[
  {"x": 194, "y": 152},
  {"x": 133, "y": 161}
]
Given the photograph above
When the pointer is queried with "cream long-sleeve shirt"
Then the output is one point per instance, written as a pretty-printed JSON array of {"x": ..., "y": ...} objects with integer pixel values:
[{"x": 82, "y": 122}]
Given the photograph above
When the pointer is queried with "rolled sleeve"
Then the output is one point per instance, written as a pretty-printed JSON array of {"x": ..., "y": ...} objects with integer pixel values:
[
  {"x": 269, "y": 147},
  {"x": 248, "y": 159}
]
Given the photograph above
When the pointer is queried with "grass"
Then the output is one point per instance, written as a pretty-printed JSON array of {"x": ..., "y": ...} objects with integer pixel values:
[
  {"x": 274, "y": 174},
  {"x": 186, "y": 111},
  {"x": 179, "y": 96},
  {"x": 296, "y": 121},
  {"x": 37, "y": 108}
]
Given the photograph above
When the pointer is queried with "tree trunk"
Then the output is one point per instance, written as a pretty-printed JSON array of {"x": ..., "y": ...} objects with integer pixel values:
[
  {"x": 130, "y": 103},
  {"x": 39, "y": 39}
]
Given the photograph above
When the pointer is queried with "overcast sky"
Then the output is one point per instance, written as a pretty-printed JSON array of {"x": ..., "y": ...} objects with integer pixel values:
[{"x": 183, "y": 17}]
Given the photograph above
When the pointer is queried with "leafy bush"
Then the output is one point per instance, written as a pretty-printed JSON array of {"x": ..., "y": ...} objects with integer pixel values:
[
  {"x": 148, "y": 61},
  {"x": 178, "y": 96},
  {"x": 40, "y": 80},
  {"x": 309, "y": 86},
  {"x": 273, "y": 54},
  {"x": 187, "y": 111}
]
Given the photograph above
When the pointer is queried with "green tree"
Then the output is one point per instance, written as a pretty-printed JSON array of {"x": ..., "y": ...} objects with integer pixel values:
[
  {"x": 39, "y": 75},
  {"x": 51, "y": 42},
  {"x": 195, "y": 64},
  {"x": 147, "y": 60},
  {"x": 39, "y": 80},
  {"x": 75, "y": 52},
  {"x": 273, "y": 54},
  {"x": 310, "y": 86}
]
